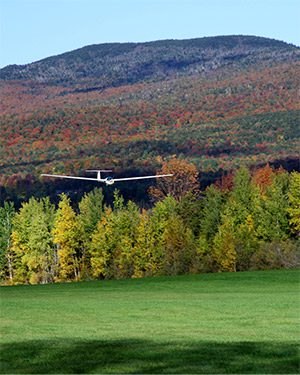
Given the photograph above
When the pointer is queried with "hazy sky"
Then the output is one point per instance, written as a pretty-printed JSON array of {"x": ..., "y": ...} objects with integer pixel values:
[{"x": 33, "y": 29}]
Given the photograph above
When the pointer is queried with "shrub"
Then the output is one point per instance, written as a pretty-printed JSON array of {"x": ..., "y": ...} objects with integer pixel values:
[{"x": 276, "y": 255}]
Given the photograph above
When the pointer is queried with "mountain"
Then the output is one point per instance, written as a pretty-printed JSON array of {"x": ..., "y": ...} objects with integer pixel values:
[
  {"x": 114, "y": 64},
  {"x": 218, "y": 102}
]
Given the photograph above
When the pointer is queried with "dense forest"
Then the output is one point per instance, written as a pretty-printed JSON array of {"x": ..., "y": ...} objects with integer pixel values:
[
  {"x": 246, "y": 221},
  {"x": 217, "y": 102}
]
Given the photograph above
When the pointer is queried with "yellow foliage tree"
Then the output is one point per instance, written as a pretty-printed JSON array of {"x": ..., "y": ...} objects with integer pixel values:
[
  {"x": 148, "y": 250},
  {"x": 223, "y": 251},
  {"x": 113, "y": 241},
  {"x": 102, "y": 243},
  {"x": 294, "y": 202},
  {"x": 179, "y": 247},
  {"x": 66, "y": 235}
]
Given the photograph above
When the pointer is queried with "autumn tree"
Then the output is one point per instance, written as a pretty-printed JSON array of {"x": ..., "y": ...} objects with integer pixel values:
[
  {"x": 183, "y": 181},
  {"x": 294, "y": 203},
  {"x": 7, "y": 213},
  {"x": 189, "y": 209},
  {"x": 33, "y": 254},
  {"x": 142, "y": 249},
  {"x": 225, "y": 183},
  {"x": 242, "y": 199},
  {"x": 263, "y": 177},
  {"x": 41, "y": 260},
  {"x": 240, "y": 210},
  {"x": 246, "y": 243},
  {"x": 102, "y": 246},
  {"x": 236, "y": 225},
  {"x": 150, "y": 247},
  {"x": 114, "y": 240},
  {"x": 223, "y": 250},
  {"x": 213, "y": 204},
  {"x": 90, "y": 212},
  {"x": 66, "y": 235},
  {"x": 179, "y": 247},
  {"x": 271, "y": 213}
]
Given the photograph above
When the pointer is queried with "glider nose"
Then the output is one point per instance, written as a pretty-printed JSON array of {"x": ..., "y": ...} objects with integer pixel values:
[{"x": 109, "y": 181}]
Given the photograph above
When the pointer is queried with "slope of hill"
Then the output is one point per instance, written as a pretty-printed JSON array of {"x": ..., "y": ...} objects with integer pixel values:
[
  {"x": 113, "y": 64},
  {"x": 243, "y": 107}
]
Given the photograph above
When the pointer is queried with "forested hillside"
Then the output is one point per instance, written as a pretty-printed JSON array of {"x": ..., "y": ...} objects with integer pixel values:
[{"x": 218, "y": 102}]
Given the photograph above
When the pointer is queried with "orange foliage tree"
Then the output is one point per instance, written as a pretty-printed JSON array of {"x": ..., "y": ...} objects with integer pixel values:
[
  {"x": 263, "y": 177},
  {"x": 183, "y": 181}
]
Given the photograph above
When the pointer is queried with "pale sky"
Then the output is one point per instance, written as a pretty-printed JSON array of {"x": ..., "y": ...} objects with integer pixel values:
[{"x": 34, "y": 29}]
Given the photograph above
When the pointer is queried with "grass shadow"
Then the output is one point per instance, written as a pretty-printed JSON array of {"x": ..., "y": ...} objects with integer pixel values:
[{"x": 142, "y": 356}]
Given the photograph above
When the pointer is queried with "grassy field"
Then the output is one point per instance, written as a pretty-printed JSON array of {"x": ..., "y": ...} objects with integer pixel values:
[{"x": 215, "y": 323}]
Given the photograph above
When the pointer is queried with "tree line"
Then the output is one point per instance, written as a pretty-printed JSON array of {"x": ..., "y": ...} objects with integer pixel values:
[{"x": 249, "y": 220}]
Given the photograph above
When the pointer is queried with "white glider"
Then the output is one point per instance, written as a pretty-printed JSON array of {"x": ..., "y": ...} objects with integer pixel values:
[{"x": 107, "y": 180}]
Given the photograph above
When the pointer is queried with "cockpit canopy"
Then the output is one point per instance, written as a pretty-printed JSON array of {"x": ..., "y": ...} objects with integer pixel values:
[{"x": 109, "y": 180}]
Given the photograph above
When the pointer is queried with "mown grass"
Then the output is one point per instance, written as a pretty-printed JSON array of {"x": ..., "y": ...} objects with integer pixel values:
[{"x": 216, "y": 323}]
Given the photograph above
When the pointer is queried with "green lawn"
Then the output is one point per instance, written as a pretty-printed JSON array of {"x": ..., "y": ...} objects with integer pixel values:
[{"x": 215, "y": 323}]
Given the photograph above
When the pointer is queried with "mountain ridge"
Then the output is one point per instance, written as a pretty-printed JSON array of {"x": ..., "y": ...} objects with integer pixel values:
[{"x": 115, "y": 64}]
